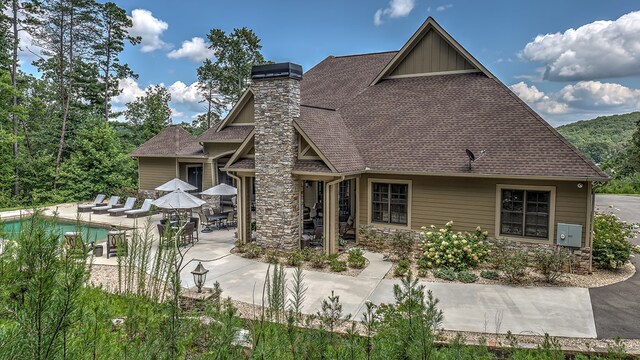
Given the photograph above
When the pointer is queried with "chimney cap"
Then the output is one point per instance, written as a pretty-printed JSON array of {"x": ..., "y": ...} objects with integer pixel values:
[{"x": 280, "y": 70}]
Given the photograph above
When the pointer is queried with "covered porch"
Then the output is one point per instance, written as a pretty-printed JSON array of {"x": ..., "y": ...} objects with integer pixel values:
[{"x": 326, "y": 210}]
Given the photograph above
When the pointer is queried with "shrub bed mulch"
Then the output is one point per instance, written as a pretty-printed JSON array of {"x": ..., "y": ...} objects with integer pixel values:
[
  {"x": 306, "y": 265},
  {"x": 598, "y": 278}
]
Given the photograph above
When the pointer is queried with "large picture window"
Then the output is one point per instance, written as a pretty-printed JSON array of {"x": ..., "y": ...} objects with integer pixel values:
[
  {"x": 390, "y": 203},
  {"x": 525, "y": 213}
]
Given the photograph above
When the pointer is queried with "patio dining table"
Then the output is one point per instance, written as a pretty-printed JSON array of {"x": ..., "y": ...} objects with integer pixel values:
[{"x": 217, "y": 218}]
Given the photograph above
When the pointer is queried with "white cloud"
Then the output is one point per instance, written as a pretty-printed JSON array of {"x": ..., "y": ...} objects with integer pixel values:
[
  {"x": 149, "y": 29},
  {"x": 181, "y": 93},
  {"x": 130, "y": 90},
  {"x": 195, "y": 49},
  {"x": 444, "y": 7},
  {"x": 601, "y": 49},
  {"x": 538, "y": 99},
  {"x": 396, "y": 9},
  {"x": 582, "y": 97},
  {"x": 176, "y": 114},
  {"x": 595, "y": 94}
]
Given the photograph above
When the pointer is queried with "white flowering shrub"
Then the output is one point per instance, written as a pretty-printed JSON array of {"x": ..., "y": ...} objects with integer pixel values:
[{"x": 444, "y": 248}]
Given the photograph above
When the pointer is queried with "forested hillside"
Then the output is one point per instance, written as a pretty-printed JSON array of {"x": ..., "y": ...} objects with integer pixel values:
[
  {"x": 603, "y": 137},
  {"x": 60, "y": 139},
  {"x": 614, "y": 143}
]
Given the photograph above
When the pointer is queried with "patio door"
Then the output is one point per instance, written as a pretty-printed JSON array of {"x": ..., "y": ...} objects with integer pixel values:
[{"x": 194, "y": 176}]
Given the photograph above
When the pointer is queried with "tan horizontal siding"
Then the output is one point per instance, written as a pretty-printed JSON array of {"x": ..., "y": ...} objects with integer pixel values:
[
  {"x": 207, "y": 176},
  {"x": 153, "y": 172},
  {"x": 472, "y": 202},
  {"x": 216, "y": 150}
]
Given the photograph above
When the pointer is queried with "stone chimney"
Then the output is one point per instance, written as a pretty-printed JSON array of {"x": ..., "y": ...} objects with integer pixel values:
[{"x": 276, "y": 90}]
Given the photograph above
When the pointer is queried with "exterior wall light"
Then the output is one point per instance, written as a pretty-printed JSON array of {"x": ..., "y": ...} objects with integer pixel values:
[{"x": 580, "y": 185}]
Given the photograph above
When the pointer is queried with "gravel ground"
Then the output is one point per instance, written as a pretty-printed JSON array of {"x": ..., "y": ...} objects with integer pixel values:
[
  {"x": 598, "y": 278},
  {"x": 632, "y": 346}
]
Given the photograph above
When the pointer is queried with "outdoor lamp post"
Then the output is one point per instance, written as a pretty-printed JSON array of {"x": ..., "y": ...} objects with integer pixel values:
[{"x": 199, "y": 276}]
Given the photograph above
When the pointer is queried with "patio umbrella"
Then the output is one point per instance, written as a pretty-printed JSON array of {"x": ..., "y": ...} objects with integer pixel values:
[
  {"x": 178, "y": 199},
  {"x": 176, "y": 184},
  {"x": 221, "y": 190}
]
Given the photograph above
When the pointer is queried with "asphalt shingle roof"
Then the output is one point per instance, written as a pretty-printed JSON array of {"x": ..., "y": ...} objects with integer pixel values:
[
  {"x": 227, "y": 134},
  {"x": 424, "y": 124},
  {"x": 172, "y": 141}
]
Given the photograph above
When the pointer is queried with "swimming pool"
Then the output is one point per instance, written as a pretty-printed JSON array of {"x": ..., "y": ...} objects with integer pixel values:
[{"x": 90, "y": 232}]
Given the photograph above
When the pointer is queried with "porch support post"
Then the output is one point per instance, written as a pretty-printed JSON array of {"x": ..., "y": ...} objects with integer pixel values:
[
  {"x": 243, "y": 206},
  {"x": 330, "y": 209}
]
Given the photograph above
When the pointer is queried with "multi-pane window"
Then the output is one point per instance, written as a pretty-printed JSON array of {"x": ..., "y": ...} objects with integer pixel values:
[
  {"x": 525, "y": 213},
  {"x": 389, "y": 203}
]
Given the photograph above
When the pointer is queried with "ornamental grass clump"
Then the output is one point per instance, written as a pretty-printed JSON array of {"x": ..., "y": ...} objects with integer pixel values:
[{"x": 456, "y": 250}]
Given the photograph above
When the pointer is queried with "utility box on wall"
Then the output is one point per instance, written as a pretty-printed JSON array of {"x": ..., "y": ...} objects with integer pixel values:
[{"x": 569, "y": 235}]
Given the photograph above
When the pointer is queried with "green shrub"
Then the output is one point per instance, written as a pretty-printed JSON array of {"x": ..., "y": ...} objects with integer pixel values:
[
  {"x": 252, "y": 251},
  {"x": 489, "y": 274},
  {"x": 338, "y": 265},
  {"x": 370, "y": 239},
  {"x": 515, "y": 266},
  {"x": 402, "y": 268},
  {"x": 240, "y": 247},
  {"x": 273, "y": 257},
  {"x": 467, "y": 277},
  {"x": 293, "y": 258},
  {"x": 445, "y": 274},
  {"x": 424, "y": 264},
  {"x": 356, "y": 258},
  {"x": 307, "y": 253},
  {"x": 457, "y": 250},
  {"x": 611, "y": 249},
  {"x": 550, "y": 264},
  {"x": 318, "y": 260},
  {"x": 401, "y": 245},
  {"x": 423, "y": 273}
]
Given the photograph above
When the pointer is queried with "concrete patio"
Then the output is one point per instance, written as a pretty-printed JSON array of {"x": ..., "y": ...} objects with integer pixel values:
[{"x": 565, "y": 312}]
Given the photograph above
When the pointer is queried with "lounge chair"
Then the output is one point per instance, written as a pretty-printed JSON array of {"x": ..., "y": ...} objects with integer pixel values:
[
  {"x": 87, "y": 207},
  {"x": 128, "y": 205},
  {"x": 113, "y": 203},
  {"x": 144, "y": 210},
  {"x": 116, "y": 243}
]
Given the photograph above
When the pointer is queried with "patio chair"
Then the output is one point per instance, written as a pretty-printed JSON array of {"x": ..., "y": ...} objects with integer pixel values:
[
  {"x": 187, "y": 233},
  {"x": 128, "y": 205},
  {"x": 144, "y": 210},
  {"x": 87, "y": 207},
  {"x": 207, "y": 226},
  {"x": 113, "y": 202},
  {"x": 196, "y": 222},
  {"x": 74, "y": 244},
  {"x": 116, "y": 243},
  {"x": 229, "y": 222}
]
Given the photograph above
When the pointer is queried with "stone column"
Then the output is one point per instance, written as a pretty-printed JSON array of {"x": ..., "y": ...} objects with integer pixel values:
[{"x": 277, "y": 105}]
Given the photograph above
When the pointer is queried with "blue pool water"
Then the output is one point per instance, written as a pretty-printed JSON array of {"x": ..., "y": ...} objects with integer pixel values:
[{"x": 11, "y": 229}]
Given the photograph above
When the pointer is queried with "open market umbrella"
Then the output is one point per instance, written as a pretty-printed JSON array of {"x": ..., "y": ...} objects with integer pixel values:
[
  {"x": 178, "y": 199},
  {"x": 176, "y": 184},
  {"x": 221, "y": 190}
]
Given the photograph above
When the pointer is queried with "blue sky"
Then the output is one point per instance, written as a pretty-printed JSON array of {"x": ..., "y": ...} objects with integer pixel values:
[{"x": 592, "y": 70}]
